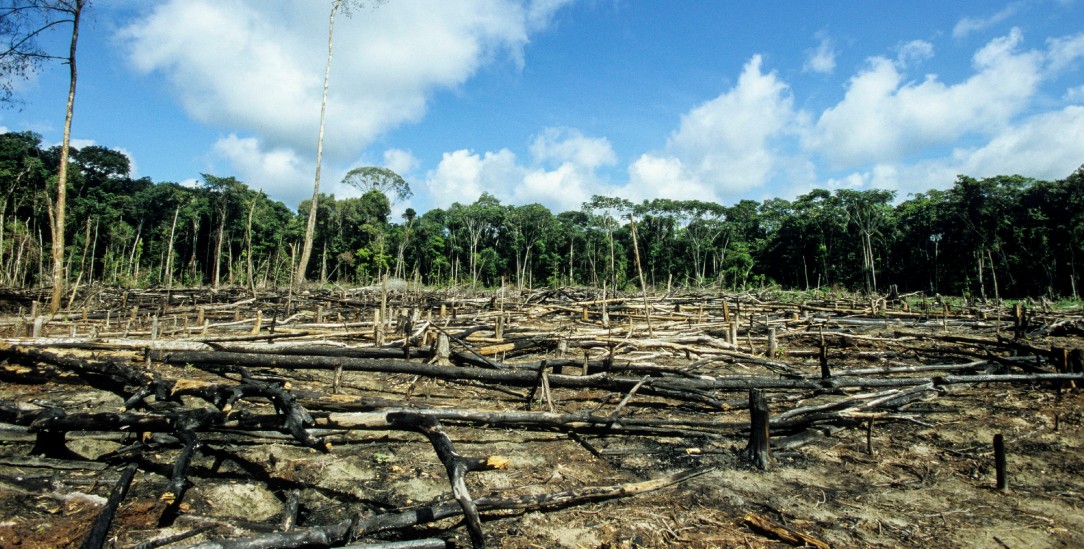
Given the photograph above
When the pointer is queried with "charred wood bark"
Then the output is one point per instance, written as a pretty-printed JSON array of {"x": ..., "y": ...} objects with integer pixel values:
[
  {"x": 346, "y": 531},
  {"x": 98, "y": 532}
]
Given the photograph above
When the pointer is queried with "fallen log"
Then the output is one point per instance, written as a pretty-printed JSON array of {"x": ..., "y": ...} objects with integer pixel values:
[
  {"x": 98, "y": 532},
  {"x": 522, "y": 378},
  {"x": 359, "y": 527}
]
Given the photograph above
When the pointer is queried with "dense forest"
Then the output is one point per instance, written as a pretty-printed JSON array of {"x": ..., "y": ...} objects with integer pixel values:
[{"x": 1005, "y": 236}]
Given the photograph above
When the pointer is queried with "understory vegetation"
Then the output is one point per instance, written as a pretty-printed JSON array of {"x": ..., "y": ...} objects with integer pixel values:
[{"x": 1005, "y": 236}]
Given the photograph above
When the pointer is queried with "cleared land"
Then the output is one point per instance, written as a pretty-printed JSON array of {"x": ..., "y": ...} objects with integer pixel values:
[{"x": 554, "y": 418}]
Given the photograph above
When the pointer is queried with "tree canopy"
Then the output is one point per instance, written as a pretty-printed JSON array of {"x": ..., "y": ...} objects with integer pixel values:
[{"x": 1000, "y": 236}]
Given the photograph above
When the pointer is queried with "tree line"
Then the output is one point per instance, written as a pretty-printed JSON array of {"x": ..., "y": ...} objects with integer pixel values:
[{"x": 1005, "y": 236}]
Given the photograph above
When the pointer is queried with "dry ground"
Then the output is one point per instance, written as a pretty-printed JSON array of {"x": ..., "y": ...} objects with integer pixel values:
[{"x": 925, "y": 479}]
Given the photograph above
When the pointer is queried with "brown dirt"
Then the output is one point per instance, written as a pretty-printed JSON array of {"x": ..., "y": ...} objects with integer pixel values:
[{"x": 929, "y": 480}]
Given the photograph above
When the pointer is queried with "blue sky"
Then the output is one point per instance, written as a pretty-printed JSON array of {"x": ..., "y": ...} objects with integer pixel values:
[{"x": 553, "y": 101}]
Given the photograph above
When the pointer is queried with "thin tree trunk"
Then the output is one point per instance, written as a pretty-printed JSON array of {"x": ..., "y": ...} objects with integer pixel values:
[
  {"x": 310, "y": 225},
  {"x": 86, "y": 245},
  {"x": 873, "y": 266},
  {"x": 982, "y": 277},
  {"x": 640, "y": 271},
  {"x": 1072, "y": 273},
  {"x": 218, "y": 248},
  {"x": 135, "y": 244},
  {"x": 571, "y": 250},
  {"x": 94, "y": 249},
  {"x": 3, "y": 211},
  {"x": 41, "y": 256},
  {"x": 613, "y": 261},
  {"x": 195, "y": 240},
  {"x": 62, "y": 173},
  {"x": 169, "y": 251},
  {"x": 248, "y": 249}
]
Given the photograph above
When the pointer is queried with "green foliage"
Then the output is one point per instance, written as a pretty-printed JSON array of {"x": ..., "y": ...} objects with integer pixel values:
[
  {"x": 383, "y": 180},
  {"x": 1023, "y": 235}
]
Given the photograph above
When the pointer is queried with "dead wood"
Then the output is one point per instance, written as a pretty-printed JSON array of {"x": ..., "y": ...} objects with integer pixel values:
[
  {"x": 98, "y": 532},
  {"x": 203, "y": 404},
  {"x": 360, "y": 527},
  {"x": 762, "y": 525}
]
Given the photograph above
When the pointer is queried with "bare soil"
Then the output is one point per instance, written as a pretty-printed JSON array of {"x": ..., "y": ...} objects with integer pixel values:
[{"x": 918, "y": 474}]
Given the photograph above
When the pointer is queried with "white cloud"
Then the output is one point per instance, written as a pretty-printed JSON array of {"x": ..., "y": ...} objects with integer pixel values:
[
  {"x": 462, "y": 176},
  {"x": 400, "y": 161},
  {"x": 562, "y": 173},
  {"x": 968, "y": 25},
  {"x": 569, "y": 145},
  {"x": 78, "y": 143},
  {"x": 278, "y": 171},
  {"x": 725, "y": 145},
  {"x": 539, "y": 12},
  {"x": 257, "y": 67},
  {"x": 1044, "y": 146},
  {"x": 822, "y": 59},
  {"x": 1064, "y": 51},
  {"x": 914, "y": 52},
  {"x": 565, "y": 188},
  {"x": 1075, "y": 95},
  {"x": 730, "y": 142},
  {"x": 883, "y": 117},
  {"x": 652, "y": 176}
]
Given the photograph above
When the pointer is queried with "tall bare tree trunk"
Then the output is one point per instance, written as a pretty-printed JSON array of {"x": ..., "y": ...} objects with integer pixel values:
[
  {"x": 169, "y": 251},
  {"x": 310, "y": 226},
  {"x": 640, "y": 271},
  {"x": 218, "y": 249},
  {"x": 248, "y": 248},
  {"x": 62, "y": 173}
]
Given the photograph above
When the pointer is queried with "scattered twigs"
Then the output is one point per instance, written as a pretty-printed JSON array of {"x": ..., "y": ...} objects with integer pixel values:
[
  {"x": 360, "y": 527},
  {"x": 762, "y": 525},
  {"x": 229, "y": 387}
]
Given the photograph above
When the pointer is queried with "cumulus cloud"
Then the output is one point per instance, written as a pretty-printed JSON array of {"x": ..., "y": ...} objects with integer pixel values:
[
  {"x": 462, "y": 176},
  {"x": 562, "y": 172},
  {"x": 914, "y": 52},
  {"x": 78, "y": 143},
  {"x": 968, "y": 25},
  {"x": 257, "y": 67},
  {"x": 652, "y": 176},
  {"x": 884, "y": 117},
  {"x": 822, "y": 59},
  {"x": 1064, "y": 51},
  {"x": 400, "y": 161},
  {"x": 730, "y": 142},
  {"x": 564, "y": 145},
  {"x": 278, "y": 171},
  {"x": 1045, "y": 146}
]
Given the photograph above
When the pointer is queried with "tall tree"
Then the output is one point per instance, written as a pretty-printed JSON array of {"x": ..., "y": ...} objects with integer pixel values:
[
  {"x": 480, "y": 222},
  {"x": 528, "y": 225},
  {"x": 337, "y": 6},
  {"x": 372, "y": 178},
  {"x": 867, "y": 211},
  {"x": 605, "y": 211},
  {"x": 23, "y": 21}
]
